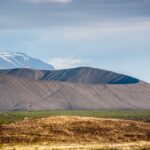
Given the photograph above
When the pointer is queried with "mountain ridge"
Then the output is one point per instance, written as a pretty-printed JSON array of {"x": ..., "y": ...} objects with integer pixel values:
[
  {"x": 11, "y": 60},
  {"x": 85, "y": 75}
]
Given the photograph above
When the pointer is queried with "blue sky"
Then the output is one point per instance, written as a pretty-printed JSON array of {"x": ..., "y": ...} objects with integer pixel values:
[{"x": 108, "y": 34}]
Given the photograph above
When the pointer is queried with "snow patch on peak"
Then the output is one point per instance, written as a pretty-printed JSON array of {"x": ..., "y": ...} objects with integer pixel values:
[
  {"x": 23, "y": 55},
  {"x": 5, "y": 54}
]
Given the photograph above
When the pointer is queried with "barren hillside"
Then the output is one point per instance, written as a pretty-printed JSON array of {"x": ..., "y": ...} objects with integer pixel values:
[
  {"x": 85, "y": 75},
  {"x": 24, "y": 94}
]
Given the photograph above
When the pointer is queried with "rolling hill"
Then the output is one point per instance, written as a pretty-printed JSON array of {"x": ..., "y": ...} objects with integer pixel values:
[
  {"x": 84, "y": 75},
  {"x": 28, "y": 94},
  {"x": 74, "y": 130}
]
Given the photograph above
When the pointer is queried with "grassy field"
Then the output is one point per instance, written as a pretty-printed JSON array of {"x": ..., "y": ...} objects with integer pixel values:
[
  {"x": 125, "y": 146},
  {"x": 68, "y": 133},
  {"x": 10, "y": 117},
  {"x": 47, "y": 131}
]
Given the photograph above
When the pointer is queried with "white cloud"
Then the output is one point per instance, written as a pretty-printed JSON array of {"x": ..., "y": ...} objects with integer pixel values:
[
  {"x": 47, "y": 1},
  {"x": 64, "y": 63}
]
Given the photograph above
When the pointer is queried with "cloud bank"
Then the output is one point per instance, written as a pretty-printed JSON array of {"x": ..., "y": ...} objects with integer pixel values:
[
  {"x": 27, "y": 14},
  {"x": 47, "y": 1},
  {"x": 64, "y": 63}
]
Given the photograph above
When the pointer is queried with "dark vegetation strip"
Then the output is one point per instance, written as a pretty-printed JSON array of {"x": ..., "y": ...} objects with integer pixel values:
[{"x": 10, "y": 117}]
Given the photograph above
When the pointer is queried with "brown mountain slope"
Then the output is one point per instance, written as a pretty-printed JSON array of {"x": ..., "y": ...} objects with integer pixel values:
[
  {"x": 76, "y": 75},
  {"x": 23, "y": 94}
]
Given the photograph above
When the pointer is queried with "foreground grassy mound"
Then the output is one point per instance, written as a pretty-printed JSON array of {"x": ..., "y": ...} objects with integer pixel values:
[{"x": 74, "y": 130}]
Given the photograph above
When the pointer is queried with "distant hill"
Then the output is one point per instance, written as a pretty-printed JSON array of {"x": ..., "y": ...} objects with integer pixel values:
[
  {"x": 25, "y": 94},
  {"x": 76, "y": 88},
  {"x": 84, "y": 75},
  {"x": 21, "y": 60}
]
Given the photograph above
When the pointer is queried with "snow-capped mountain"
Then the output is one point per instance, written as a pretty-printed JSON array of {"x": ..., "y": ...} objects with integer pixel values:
[{"x": 11, "y": 60}]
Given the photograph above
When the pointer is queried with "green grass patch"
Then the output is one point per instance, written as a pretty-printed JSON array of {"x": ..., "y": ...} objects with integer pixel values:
[{"x": 10, "y": 117}]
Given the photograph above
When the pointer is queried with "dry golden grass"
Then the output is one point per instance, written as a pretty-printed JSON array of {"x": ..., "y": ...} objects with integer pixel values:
[
  {"x": 86, "y": 132},
  {"x": 45, "y": 146}
]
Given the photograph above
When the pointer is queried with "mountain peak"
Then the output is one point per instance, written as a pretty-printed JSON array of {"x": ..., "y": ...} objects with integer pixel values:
[{"x": 11, "y": 60}]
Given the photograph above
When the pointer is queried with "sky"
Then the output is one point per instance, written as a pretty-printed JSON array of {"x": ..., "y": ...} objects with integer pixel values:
[{"x": 106, "y": 34}]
